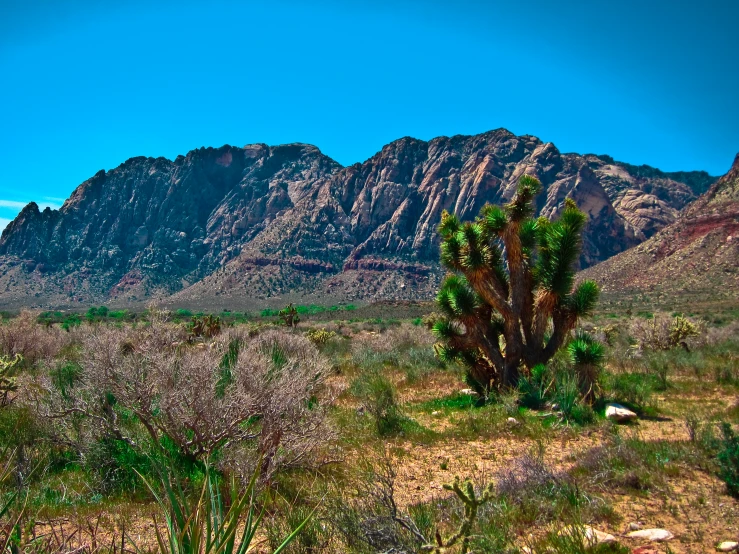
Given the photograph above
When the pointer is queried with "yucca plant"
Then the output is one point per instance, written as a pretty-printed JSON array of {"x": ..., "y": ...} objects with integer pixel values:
[
  {"x": 512, "y": 276},
  {"x": 207, "y": 524},
  {"x": 587, "y": 355}
]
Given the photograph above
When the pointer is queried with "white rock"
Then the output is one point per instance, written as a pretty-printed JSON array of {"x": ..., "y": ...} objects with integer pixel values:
[
  {"x": 656, "y": 535},
  {"x": 635, "y": 526},
  {"x": 618, "y": 413},
  {"x": 468, "y": 391},
  {"x": 512, "y": 421},
  {"x": 728, "y": 546},
  {"x": 591, "y": 535},
  {"x": 435, "y": 413}
]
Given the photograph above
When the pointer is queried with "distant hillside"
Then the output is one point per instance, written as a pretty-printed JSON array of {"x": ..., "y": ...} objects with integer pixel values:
[
  {"x": 693, "y": 260},
  {"x": 258, "y": 224}
]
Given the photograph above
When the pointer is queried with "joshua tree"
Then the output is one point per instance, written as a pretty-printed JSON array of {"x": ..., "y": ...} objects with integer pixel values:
[
  {"x": 290, "y": 316},
  {"x": 512, "y": 275}
]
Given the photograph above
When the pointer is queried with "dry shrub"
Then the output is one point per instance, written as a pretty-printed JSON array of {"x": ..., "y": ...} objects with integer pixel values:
[
  {"x": 664, "y": 333},
  {"x": 402, "y": 337},
  {"x": 256, "y": 395},
  {"x": 33, "y": 342}
]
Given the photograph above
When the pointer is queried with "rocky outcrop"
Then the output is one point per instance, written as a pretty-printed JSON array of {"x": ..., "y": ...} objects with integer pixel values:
[
  {"x": 694, "y": 259},
  {"x": 289, "y": 218}
]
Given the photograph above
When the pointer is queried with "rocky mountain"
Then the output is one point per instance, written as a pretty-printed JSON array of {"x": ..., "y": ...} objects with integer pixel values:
[
  {"x": 253, "y": 223},
  {"x": 694, "y": 260}
]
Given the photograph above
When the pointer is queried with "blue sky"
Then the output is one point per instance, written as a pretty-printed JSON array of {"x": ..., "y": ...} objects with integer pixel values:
[{"x": 86, "y": 85}]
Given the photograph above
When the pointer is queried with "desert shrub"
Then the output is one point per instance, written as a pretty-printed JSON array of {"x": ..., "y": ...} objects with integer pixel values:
[
  {"x": 635, "y": 390},
  {"x": 24, "y": 336},
  {"x": 659, "y": 366},
  {"x": 663, "y": 333},
  {"x": 379, "y": 397},
  {"x": 405, "y": 348},
  {"x": 567, "y": 397},
  {"x": 534, "y": 387},
  {"x": 366, "y": 515},
  {"x": 539, "y": 493},
  {"x": 728, "y": 459},
  {"x": 630, "y": 464},
  {"x": 257, "y": 396},
  {"x": 574, "y": 540},
  {"x": 320, "y": 337},
  {"x": 71, "y": 321}
]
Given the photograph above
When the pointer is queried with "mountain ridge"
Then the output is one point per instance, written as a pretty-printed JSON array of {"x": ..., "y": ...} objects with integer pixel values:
[
  {"x": 154, "y": 227},
  {"x": 689, "y": 262}
]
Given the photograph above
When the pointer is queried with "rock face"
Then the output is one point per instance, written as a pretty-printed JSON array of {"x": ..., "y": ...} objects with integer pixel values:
[
  {"x": 694, "y": 258},
  {"x": 264, "y": 221}
]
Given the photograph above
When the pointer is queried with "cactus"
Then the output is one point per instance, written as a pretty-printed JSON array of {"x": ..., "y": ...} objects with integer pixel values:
[
  {"x": 204, "y": 326},
  {"x": 465, "y": 491},
  {"x": 8, "y": 380},
  {"x": 512, "y": 275}
]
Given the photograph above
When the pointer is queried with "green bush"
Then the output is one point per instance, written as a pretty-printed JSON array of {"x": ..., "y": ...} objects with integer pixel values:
[
  {"x": 534, "y": 387},
  {"x": 728, "y": 459},
  {"x": 72, "y": 320},
  {"x": 379, "y": 396}
]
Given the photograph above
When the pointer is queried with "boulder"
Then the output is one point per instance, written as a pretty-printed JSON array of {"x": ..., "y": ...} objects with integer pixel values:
[
  {"x": 728, "y": 546},
  {"x": 619, "y": 414}
]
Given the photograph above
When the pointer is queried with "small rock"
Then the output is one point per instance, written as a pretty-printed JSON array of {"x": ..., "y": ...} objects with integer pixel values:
[
  {"x": 645, "y": 550},
  {"x": 469, "y": 392},
  {"x": 555, "y": 407},
  {"x": 634, "y": 526},
  {"x": 618, "y": 413},
  {"x": 512, "y": 421},
  {"x": 656, "y": 535},
  {"x": 728, "y": 546},
  {"x": 437, "y": 412}
]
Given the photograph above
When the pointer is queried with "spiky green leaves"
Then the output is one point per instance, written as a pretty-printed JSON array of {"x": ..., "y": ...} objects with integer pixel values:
[
  {"x": 456, "y": 298},
  {"x": 449, "y": 225},
  {"x": 582, "y": 301},
  {"x": 559, "y": 248},
  {"x": 522, "y": 205},
  {"x": 494, "y": 219},
  {"x": 586, "y": 351},
  {"x": 469, "y": 248},
  {"x": 445, "y": 330}
]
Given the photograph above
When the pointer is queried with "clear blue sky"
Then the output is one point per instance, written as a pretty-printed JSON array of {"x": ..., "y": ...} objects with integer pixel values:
[{"x": 86, "y": 85}]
